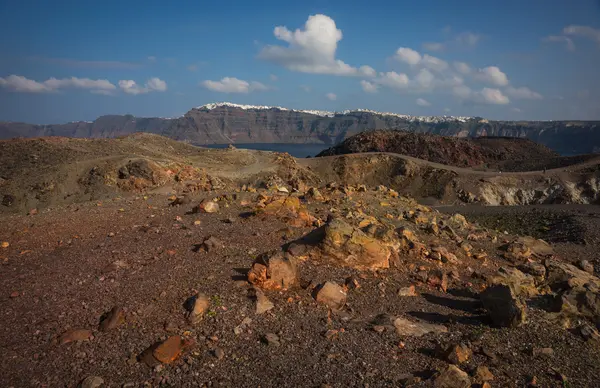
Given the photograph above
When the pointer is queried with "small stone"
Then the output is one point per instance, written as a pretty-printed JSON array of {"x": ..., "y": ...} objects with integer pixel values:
[
  {"x": 378, "y": 328},
  {"x": 75, "y": 335},
  {"x": 329, "y": 334},
  {"x": 438, "y": 278},
  {"x": 92, "y": 382},
  {"x": 407, "y": 291},
  {"x": 332, "y": 295},
  {"x": 4, "y": 244},
  {"x": 197, "y": 305},
  {"x": 15, "y": 294},
  {"x": 219, "y": 353},
  {"x": 263, "y": 304},
  {"x": 111, "y": 234},
  {"x": 274, "y": 271},
  {"x": 211, "y": 243},
  {"x": 112, "y": 319},
  {"x": 271, "y": 339},
  {"x": 404, "y": 327},
  {"x": 33, "y": 212},
  {"x": 482, "y": 374},
  {"x": 586, "y": 266},
  {"x": 352, "y": 283},
  {"x": 206, "y": 206},
  {"x": 458, "y": 353},
  {"x": 452, "y": 377}
]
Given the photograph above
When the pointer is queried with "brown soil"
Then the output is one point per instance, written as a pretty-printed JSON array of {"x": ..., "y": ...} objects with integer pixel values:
[
  {"x": 72, "y": 261},
  {"x": 68, "y": 266}
]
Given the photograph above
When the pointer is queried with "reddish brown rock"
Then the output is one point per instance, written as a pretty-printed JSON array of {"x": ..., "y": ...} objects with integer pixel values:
[
  {"x": 458, "y": 353},
  {"x": 332, "y": 295},
  {"x": 274, "y": 271},
  {"x": 112, "y": 319},
  {"x": 167, "y": 351},
  {"x": 75, "y": 335}
]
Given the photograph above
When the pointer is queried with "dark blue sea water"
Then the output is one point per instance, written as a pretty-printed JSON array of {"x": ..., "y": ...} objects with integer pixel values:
[{"x": 296, "y": 150}]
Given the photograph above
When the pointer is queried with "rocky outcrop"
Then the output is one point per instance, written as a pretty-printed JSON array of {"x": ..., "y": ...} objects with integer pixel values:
[{"x": 453, "y": 151}]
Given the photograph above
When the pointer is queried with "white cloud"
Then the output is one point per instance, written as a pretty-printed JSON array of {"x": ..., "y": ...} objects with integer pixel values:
[
  {"x": 79, "y": 83},
  {"x": 414, "y": 58},
  {"x": 192, "y": 67},
  {"x": 494, "y": 96},
  {"x": 408, "y": 55},
  {"x": 367, "y": 71},
  {"x": 306, "y": 88},
  {"x": 233, "y": 85},
  {"x": 467, "y": 38},
  {"x": 523, "y": 93},
  {"x": 485, "y": 96},
  {"x": 273, "y": 77},
  {"x": 331, "y": 96},
  {"x": 311, "y": 49},
  {"x": 422, "y": 102},
  {"x": 156, "y": 84},
  {"x": 425, "y": 79},
  {"x": 584, "y": 31},
  {"x": 19, "y": 83},
  {"x": 561, "y": 39},
  {"x": 462, "y": 67},
  {"x": 447, "y": 110},
  {"x": 227, "y": 85},
  {"x": 492, "y": 75},
  {"x": 152, "y": 85},
  {"x": 516, "y": 110},
  {"x": 151, "y": 59},
  {"x": 369, "y": 87},
  {"x": 434, "y": 63},
  {"x": 394, "y": 80},
  {"x": 462, "y": 91},
  {"x": 433, "y": 46},
  {"x": 130, "y": 87}
]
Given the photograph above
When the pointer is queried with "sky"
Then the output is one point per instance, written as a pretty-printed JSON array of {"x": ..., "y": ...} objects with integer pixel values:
[{"x": 513, "y": 60}]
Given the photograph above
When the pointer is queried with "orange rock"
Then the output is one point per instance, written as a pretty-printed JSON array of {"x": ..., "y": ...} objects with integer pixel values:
[
  {"x": 75, "y": 335},
  {"x": 274, "y": 271},
  {"x": 169, "y": 350},
  {"x": 166, "y": 351}
]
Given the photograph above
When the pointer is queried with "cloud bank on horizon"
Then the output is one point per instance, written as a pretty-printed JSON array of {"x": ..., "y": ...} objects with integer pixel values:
[{"x": 430, "y": 76}]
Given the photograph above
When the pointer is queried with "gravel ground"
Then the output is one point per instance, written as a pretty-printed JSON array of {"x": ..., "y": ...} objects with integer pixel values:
[{"x": 65, "y": 267}]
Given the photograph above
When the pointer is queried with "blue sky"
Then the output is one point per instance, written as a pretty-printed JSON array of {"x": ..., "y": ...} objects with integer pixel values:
[{"x": 76, "y": 60}]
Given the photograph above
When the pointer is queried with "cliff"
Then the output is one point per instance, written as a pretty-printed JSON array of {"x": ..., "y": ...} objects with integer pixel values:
[{"x": 229, "y": 123}]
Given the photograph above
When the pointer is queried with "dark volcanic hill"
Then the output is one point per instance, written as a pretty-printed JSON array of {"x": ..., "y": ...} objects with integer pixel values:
[
  {"x": 453, "y": 151},
  {"x": 230, "y": 123}
]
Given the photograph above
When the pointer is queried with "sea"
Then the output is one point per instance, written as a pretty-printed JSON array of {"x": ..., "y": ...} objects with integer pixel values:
[{"x": 296, "y": 150}]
